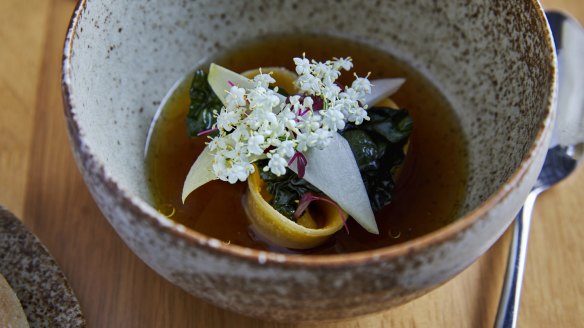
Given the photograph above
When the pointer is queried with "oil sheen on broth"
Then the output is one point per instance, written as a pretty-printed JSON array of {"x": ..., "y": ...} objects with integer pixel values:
[{"x": 428, "y": 194}]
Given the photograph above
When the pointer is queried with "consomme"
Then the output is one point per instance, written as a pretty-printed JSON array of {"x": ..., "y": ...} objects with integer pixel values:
[{"x": 428, "y": 194}]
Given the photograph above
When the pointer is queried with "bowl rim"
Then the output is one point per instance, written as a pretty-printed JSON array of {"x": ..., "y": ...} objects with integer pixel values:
[{"x": 158, "y": 221}]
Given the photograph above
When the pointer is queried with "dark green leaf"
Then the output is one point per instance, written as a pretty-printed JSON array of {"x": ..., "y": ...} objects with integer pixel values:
[
  {"x": 393, "y": 125},
  {"x": 364, "y": 149},
  {"x": 378, "y": 148},
  {"x": 283, "y": 92},
  {"x": 203, "y": 103},
  {"x": 286, "y": 190}
]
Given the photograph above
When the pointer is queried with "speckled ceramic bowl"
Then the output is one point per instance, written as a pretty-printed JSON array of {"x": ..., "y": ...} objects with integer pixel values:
[
  {"x": 38, "y": 282},
  {"x": 494, "y": 61}
]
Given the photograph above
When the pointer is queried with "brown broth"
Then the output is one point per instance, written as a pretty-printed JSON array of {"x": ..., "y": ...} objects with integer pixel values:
[{"x": 428, "y": 195}]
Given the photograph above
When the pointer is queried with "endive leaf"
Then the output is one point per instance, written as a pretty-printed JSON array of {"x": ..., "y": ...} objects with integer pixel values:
[
  {"x": 221, "y": 79},
  {"x": 334, "y": 171},
  {"x": 200, "y": 173},
  {"x": 381, "y": 89}
]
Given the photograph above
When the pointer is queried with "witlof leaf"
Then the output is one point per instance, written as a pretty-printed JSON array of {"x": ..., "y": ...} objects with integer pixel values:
[
  {"x": 200, "y": 173},
  {"x": 381, "y": 89},
  {"x": 221, "y": 80},
  {"x": 334, "y": 171}
]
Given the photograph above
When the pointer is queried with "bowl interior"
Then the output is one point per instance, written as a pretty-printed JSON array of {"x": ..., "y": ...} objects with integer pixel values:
[{"x": 492, "y": 61}]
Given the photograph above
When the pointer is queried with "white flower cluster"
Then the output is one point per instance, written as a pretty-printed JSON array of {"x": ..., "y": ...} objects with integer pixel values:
[{"x": 258, "y": 123}]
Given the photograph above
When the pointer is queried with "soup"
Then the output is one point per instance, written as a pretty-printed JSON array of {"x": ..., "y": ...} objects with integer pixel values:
[{"x": 428, "y": 194}]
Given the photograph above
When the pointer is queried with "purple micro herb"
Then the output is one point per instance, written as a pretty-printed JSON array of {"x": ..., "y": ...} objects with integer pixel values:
[
  {"x": 207, "y": 131},
  {"x": 318, "y": 103},
  {"x": 301, "y": 163},
  {"x": 309, "y": 198},
  {"x": 302, "y": 113},
  {"x": 267, "y": 150}
]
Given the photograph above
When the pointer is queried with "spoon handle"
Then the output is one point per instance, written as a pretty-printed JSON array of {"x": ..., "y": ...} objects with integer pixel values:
[{"x": 511, "y": 294}]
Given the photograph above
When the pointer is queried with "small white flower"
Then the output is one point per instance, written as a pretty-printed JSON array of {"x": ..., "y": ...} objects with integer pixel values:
[
  {"x": 286, "y": 148},
  {"x": 277, "y": 164},
  {"x": 307, "y": 103},
  {"x": 362, "y": 86},
  {"x": 294, "y": 100},
  {"x": 344, "y": 105},
  {"x": 309, "y": 122},
  {"x": 227, "y": 119},
  {"x": 235, "y": 97},
  {"x": 321, "y": 70},
  {"x": 239, "y": 135},
  {"x": 331, "y": 91},
  {"x": 220, "y": 166},
  {"x": 302, "y": 65},
  {"x": 333, "y": 119},
  {"x": 303, "y": 142},
  {"x": 322, "y": 138},
  {"x": 359, "y": 115},
  {"x": 216, "y": 143},
  {"x": 254, "y": 144},
  {"x": 274, "y": 141},
  {"x": 239, "y": 171},
  {"x": 263, "y": 80},
  {"x": 344, "y": 63},
  {"x": 260, "y": 99},
  {"x": 350, "y": 94},
  {"x": 270, "y": 118},
  {"x": 279, "y": 130},
  {"x": 309, "y": 84},
  {"x": 288, "y": 118}
]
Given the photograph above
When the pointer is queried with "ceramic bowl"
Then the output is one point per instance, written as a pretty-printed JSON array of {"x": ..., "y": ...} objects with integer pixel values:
[{"x": 493, "y": 61}]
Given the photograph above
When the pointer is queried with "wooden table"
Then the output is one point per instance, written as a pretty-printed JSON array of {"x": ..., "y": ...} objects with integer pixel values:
[{"x": 40, "y": 183}]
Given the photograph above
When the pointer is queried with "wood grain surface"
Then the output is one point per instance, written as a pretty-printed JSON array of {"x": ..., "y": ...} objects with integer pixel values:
[{"x": 40, "y": 183}]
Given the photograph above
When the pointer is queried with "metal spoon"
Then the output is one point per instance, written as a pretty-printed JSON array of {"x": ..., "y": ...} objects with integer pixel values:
[{"x": 566, "y": 152}]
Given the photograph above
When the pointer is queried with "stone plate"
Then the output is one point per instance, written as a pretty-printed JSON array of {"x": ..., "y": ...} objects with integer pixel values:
[{"x": 45, "y": 295}]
